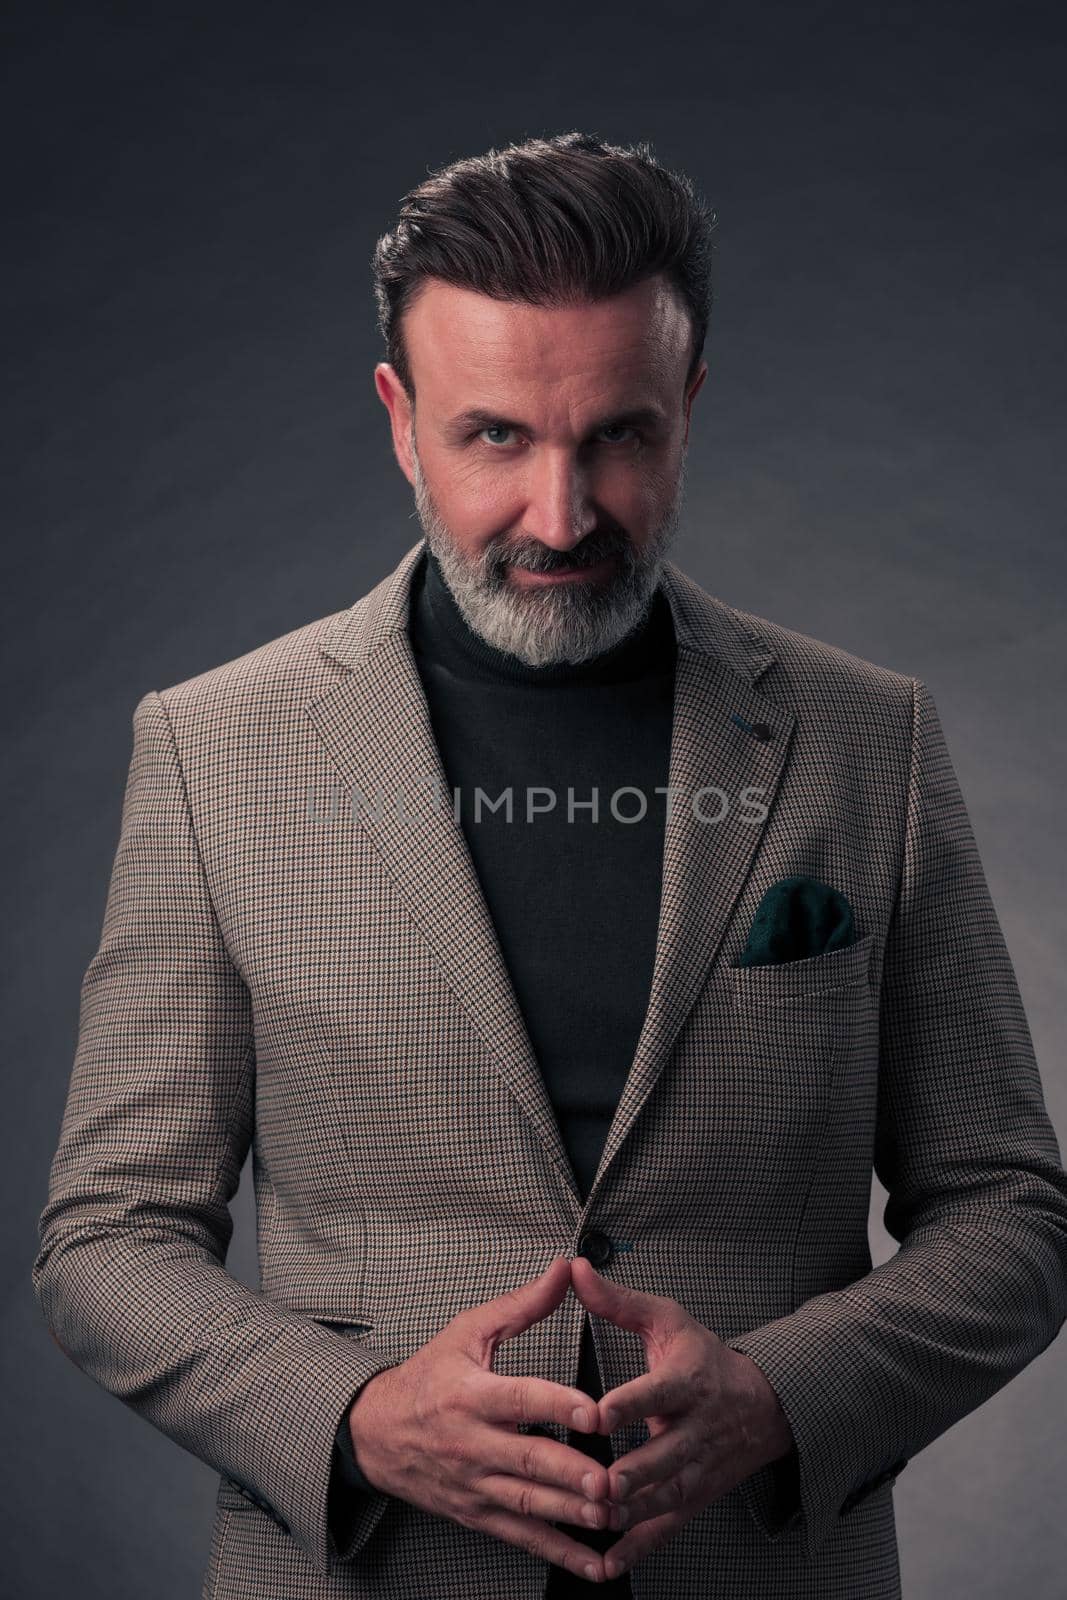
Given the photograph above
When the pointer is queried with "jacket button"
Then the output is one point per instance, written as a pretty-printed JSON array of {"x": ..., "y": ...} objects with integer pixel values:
[
  {"x": 596, "y": 1247},
  {"x": 762, "y": 730}
]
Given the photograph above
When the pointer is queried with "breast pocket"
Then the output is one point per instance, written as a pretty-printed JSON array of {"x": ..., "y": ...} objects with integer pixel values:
[
  {"x": 781, "y": 982},
  {"x": 793, "y": 1021},
  {"x": 779, "y": 1041}
]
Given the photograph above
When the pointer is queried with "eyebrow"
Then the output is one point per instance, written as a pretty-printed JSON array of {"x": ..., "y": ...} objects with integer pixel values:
[{"x": 477, "y": 418}]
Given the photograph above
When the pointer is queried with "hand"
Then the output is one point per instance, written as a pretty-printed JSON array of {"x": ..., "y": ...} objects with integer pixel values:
[
  {"x": 712, "y": 1416},
  {"x": 440, "y": 1430}
]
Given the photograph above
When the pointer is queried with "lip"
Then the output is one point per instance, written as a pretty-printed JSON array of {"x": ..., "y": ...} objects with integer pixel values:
[{"x": 579, "y": 575}]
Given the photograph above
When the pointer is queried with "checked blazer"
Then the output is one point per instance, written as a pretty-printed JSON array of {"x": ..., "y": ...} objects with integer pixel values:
[{"x": 296, "y": 960}]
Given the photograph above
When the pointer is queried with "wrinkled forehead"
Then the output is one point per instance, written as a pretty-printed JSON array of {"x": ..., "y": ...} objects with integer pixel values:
[{"x": 462, "y": 346}]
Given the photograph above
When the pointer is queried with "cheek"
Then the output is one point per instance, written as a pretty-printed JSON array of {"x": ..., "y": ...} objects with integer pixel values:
[
  {"x": 480, "y": 503},
  {"x": 655, "y": 479}
]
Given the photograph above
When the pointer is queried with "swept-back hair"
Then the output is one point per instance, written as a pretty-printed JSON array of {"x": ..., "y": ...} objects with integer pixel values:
[{"x": 552, "y": 222}]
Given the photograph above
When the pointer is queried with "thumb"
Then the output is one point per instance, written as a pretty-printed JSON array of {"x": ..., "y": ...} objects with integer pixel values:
[
  {"x": 517, "y": 1309},
  {"x": 626, "y": 1307}
]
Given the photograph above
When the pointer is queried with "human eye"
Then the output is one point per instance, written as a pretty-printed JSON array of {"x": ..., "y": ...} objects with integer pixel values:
[
  {"x": 494, "y": 427},
  {"x": 635, "y": 435}
]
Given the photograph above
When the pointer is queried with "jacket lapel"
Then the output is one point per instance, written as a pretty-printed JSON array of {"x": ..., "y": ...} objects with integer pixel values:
[{"x": 376, "y": 728}]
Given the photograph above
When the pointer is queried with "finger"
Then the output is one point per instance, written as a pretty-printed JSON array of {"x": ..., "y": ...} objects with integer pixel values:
[
  {"x": 517, "y": 1309},
  {"x": 688, "y": 1487},
  {"x": 656, "y": 1463},
  {"x": 654, "y": 1394},
  {"x": 651, "y": 1315},
  {"x": 541, "y": 1459},
  {"x": 639, "y": 1541},
  {"x": 528, "y": 1498},
  {"x": 547, "y": 1543},
  {"x": 626, "y": 1307},
  {"x": 500, "y": 1398}
]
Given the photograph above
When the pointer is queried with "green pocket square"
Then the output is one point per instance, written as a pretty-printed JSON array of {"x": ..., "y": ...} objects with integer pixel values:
[{"x": 797, "y": 917}]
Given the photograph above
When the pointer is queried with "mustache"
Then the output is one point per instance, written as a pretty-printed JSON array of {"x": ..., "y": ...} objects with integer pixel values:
[{"x": 539, "y": 558}]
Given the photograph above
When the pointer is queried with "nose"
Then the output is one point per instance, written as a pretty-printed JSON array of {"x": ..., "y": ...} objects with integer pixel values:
[{"x": 559, "y": 511}]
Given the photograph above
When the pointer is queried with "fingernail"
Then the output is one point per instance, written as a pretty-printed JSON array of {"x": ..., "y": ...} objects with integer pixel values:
[
  {"x": 612, "y": 1567},
  {"x": 611, "y": 1419},
  {"x": 587, "y": 1484},
  {"x": 622, "y": 1484},
  {"x": 591, "y": 1572},
  {"x": 580, "y": 1419}
]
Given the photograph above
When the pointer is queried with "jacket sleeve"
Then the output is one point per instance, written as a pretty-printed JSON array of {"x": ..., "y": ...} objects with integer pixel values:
[
  {"x": 130, "y": 1272},
  {"x": 977, "y": 1197}
]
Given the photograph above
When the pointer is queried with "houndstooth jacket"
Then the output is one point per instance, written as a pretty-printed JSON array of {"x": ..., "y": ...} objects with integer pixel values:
[{"x": 320, "y": 982}]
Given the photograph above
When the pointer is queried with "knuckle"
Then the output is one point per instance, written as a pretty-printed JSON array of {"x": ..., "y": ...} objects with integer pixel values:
[
  {"x": 517, "y": 1400},
  {"x": 525, "y": 1499},
  {"x": 450, "y": 1452},
  {"x": 467, "y": 1392},
  {"x": 476, "y": 1507},
  {"x": 540, "y": 1545},
  {"x": 453, "y": 1396}
]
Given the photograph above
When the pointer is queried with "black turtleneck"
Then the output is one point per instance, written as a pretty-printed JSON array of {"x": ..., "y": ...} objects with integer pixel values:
[{"x": 575, "y": 901}]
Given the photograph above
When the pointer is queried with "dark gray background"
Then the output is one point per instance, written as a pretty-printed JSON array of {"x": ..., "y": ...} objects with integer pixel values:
[{"x": 199, "y": 463}]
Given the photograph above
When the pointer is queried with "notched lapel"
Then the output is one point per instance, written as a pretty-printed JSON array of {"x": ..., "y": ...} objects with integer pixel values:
[
  {"x": 376, "y": 728},
  {"x": 705, "y": 861}
]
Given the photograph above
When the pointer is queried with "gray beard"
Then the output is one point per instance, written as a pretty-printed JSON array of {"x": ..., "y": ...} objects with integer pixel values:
[{"x": 557, "y": 623}]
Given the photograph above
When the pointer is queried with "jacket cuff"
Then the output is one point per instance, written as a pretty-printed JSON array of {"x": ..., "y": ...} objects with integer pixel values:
[
  {"x": 772, "y": 1495},
  {"x": 354, "y": 1506},
  {"x": 346, "y": 1466},
  {"x": 349, "y": 1504},
  {"x": 805, "y": 1489}
]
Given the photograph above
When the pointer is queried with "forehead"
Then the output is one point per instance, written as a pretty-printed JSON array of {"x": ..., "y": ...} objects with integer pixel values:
[{"x": 459, "y": 340}]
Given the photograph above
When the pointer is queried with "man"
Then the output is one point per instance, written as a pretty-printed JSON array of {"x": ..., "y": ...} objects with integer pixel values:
[{"x": 563, "y": 1105}]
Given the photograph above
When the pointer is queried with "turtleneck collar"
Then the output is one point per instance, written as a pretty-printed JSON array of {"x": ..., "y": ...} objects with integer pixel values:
[{"x": 438, "y": 629}]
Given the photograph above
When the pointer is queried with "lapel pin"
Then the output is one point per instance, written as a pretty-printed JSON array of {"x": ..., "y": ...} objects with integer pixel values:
[{"x": 761, "y": 730}]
